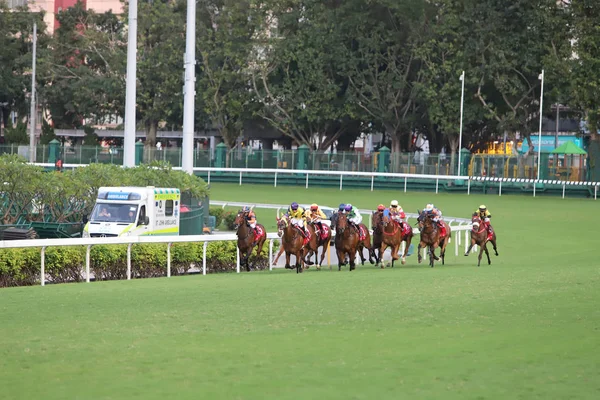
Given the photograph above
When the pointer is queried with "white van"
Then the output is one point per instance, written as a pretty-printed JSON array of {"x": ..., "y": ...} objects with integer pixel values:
[{"x": 134, "y": 211}]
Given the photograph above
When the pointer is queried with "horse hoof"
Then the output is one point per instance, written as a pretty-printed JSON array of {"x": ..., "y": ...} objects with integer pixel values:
[{"x": 403, "y": 261}]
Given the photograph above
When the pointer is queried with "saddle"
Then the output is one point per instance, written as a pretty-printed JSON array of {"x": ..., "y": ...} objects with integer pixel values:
[
  {"x": 442, "y": 227},
  {"x": 362, "y": 235},
  {"x": 305, "y": 236},
  {"x": 258, "y": 233},
  {"x": 322, "y": 233}
]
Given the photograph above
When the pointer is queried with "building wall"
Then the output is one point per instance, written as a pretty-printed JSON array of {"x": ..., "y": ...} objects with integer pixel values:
[{"x": 52, "y": 7}]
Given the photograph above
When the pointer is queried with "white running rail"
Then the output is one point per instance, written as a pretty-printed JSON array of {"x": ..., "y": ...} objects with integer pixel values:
[{"x": 372, "y": 175}]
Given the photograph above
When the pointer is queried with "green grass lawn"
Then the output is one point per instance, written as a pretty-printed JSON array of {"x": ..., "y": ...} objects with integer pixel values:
[{"x": 528, "y": 326}]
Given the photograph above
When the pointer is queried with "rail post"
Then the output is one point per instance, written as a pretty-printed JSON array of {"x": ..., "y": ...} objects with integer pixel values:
[
  {"x": 270, "y": 254},
  {"x": 87, "y": 263},
  {"x": 129, "y": 261},
  {"x": 204, "y": 258},
  {"x": 237, "y": 268},
  {"x": 168, "y": 260},
  {"x": 43, "y": 266}
]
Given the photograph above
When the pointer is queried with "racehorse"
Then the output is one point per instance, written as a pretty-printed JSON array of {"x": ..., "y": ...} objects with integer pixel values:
[
  {"x": 346, "y": 241},
  {"x": 393, "y": 235},
  {"x": 248, "y": 238},
  {"x": 431, "y": 238},
  {"x": 365, "y": 244},
  {"x": 292, "y": 242},
  {"x": 317, "y": 240},
  {"x": 377, "y": 234},
  {"x": 479, "y": 237}
]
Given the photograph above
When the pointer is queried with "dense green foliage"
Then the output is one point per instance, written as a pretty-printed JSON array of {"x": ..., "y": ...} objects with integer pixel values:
[
  {"x": 36, "y": 195},
  {"x": 321, "y": 72}
]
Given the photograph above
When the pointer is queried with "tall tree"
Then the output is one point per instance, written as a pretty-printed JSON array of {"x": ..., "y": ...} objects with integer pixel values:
[
  {"x": 84, "y": 71},
  {"x": 161, "y": 46},
  {"x": 382, "y": 38},
  {"x": 227, "y": 30},
  {"x": 511, "y": 44},
  {"x": 297, "y": 78},
  {"x": 16, "y": 28}
]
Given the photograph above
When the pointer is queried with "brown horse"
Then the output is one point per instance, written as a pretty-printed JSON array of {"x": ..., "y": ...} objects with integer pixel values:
[
  {"x": 346, "y": 241},
  {"x": 292, "y": 242},
  {"x": 247, "y": 238},
  {"x": 479, "y": 237},
  {"x": 316, "y": 241},
  {"x": 392, "y": 236},
  {"x": 431, "y": 238},
  {"x": 376, "y": 223},
  {"x": 365, "y": 244}
]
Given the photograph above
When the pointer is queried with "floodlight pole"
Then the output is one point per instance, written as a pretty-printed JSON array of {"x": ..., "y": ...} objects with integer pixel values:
[
  {"x": 33, "y": 104},
  {"x": 189, "y": 91},
  {"x": 130, "y": 90},
  {"x": 462, "y": 101},
  {"x": 540, "y": 77}
]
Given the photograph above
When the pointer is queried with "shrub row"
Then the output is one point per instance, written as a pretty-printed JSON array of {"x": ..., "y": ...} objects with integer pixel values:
[
  {"x": 224, "y": 217},
  {"x": 21, "y": 267}
]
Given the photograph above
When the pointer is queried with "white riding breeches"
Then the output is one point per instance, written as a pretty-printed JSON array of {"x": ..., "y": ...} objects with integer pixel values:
[
  {"x": 299, "y": 222},
  {"x": 487, "y": 220},
  {"x": 253, "y": 225},
  {"x": 356, "y": 220}
]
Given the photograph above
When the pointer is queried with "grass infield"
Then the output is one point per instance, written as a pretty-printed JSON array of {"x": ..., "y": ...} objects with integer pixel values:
[{"x": 525, "y": 327}]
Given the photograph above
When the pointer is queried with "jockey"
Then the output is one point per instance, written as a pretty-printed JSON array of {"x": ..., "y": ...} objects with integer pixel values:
[
  {"x": 430, "y": 209},
  {"x": 317, "y": 216},
  {"x": 342, "y": 207},
  {"x": 353, "y": 214},
  {"x": 485, "y": 216},
  {"x": 296, "y": 214},
  {"x": 251, "y": 218},
  {"x": 397, "y": 213}
]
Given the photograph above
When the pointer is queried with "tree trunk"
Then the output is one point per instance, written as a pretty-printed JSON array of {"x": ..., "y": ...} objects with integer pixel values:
[{"x": 454, "y": 168}]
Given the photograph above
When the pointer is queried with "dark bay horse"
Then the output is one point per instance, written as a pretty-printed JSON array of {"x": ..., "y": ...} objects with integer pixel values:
[
  {"x": 376, "y": 223},
  {"x": 365, "y": 244},
  {"x": 292, "y": 242},
  {"x": 247, "y": 239},
  {"x": 431, "y": 238},
  {"x": 317, "y": 240},
  {"x": 392, "y": 236},
  {"x": 479, "y": 237},
  {"x": 346, "y": 241}
]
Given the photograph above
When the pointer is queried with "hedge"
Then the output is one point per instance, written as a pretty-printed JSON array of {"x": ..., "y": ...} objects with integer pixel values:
[{"x": 21, "y": 267}]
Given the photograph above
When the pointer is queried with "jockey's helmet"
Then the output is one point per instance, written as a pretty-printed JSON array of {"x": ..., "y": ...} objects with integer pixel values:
[
  {"x": 314, "y": 207},
  {"x": 394, "y": 203},
  {"x": 380, "y": 207},
  {"x": 246, "y": 209},
  {"x": 342, "y": 207},
  {"x": 348, "y": 207},
  {"x": 294, "y": 206},
  {"x": 429, "y": 207},
  {"x": 482, "y": 208}
]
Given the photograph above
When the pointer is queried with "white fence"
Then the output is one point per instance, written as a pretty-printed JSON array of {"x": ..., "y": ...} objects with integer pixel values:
[
  {"x": 169, "y": 240},
  {"x": 373, "y": 175}
]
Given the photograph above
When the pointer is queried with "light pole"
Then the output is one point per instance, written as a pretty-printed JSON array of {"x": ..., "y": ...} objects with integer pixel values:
[
  {"x": 33, "y": 108},
  {"x": 462, "y": 100},
  {"x": 189, "y": 91},
  {"x": 540, "y": 77},
  {"x": 130, "y": 93}
]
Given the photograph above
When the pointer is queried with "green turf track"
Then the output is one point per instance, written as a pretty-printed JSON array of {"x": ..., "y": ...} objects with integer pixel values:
[{"x": 527, "y": 327}]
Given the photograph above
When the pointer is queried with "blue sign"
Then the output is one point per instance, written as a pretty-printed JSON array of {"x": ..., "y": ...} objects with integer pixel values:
[
  {"x": 548, "y": 143},
  {"x": 117, "y": 196}
]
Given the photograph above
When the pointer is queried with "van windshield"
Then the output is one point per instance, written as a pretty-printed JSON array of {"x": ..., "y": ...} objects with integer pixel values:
[{"x": 113, "y": 212}]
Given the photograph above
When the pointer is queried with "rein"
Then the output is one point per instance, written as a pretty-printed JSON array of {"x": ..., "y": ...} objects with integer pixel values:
[{"x": 396, "y": 227}]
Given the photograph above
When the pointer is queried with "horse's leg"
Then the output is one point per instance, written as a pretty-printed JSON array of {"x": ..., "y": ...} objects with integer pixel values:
[
  {"x": 340, "y": 256},
  {"x": 481, "y": 246},
  {"x": 279, "y": 253},
  {"x": 361, "y": 248},
  {"x": 487, "y": 253},
  {"x": 494, "y": 244},
  {"x": 323, "y": 251},
  {"x": 287, "y": 260},
  {"x": 352, "y": 260},
  {"x": 408, "y": 240},
  {"x": 420, "y": 246},
  {"x": 473, "y": 243},
  {"x": 382, "y": 249},
  {"x": 432, "y": 256},
  {"x": 443, "y": 252}
]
